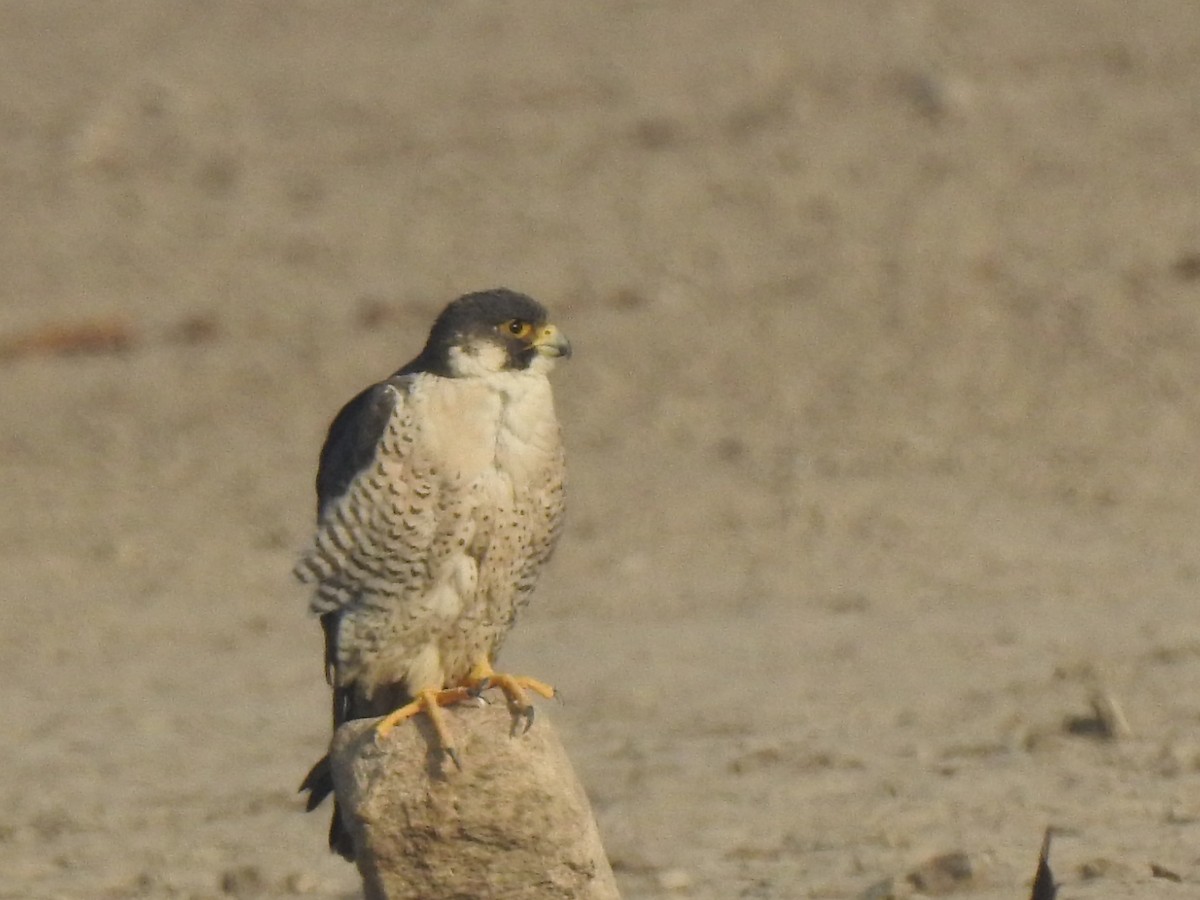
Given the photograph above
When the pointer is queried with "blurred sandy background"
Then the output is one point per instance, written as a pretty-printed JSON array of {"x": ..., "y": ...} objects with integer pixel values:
[{"x": 883, "y": 422}]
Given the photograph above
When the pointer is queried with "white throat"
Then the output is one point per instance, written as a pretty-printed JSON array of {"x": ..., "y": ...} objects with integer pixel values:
[{"x": 478, "y": 361}]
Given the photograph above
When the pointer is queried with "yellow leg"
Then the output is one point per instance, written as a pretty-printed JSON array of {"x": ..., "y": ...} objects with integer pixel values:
[
  {"x": 514, "y": 687},
  {"x": 429, "y": 702}
]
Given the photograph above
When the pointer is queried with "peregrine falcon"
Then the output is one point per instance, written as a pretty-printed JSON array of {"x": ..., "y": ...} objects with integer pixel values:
[{"x": 439, "y": 499}]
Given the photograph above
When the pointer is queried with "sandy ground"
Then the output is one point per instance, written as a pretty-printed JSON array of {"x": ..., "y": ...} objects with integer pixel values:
[{"x": 883, "y": 422}]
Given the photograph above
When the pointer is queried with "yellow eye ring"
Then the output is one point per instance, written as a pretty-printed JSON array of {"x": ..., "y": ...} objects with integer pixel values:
[{"x": 518, "y": 328}]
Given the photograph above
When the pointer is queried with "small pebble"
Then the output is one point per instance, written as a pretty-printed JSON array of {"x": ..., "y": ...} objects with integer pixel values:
[
  {"x": 243, "y": 882},
  {"x": 1163, "y": 872},
  {"x": 1099, "y": 867},
  {"x": 942, "y": 874},
  {"x": 674, "y": 880},
  {"x": 301, "y": 883}
]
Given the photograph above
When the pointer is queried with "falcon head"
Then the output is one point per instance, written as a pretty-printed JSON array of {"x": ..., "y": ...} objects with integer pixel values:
[{"x": 492, "y": 331}]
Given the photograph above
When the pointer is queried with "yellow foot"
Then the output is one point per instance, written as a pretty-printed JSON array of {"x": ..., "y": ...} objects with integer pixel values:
[
  {"x": 482, "y": 678},
  {"x": 429, "y": 702}
]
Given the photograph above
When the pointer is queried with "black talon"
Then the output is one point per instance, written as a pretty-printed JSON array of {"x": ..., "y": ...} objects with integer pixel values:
[
  {"x": 453, "y": 754},
  {"x": 521, "y": 715},
  {"x": 475, "y": 694}
]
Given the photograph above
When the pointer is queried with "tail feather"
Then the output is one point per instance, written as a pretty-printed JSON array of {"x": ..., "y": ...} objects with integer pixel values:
[
  {"x": 319, "y": 784},
  {"x": 340, "y": 841},
  {"x": 348, "y": 704}
]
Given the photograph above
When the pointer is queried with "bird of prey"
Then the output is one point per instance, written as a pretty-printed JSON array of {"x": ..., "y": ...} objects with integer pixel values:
[{"x": 439, "y": 499}]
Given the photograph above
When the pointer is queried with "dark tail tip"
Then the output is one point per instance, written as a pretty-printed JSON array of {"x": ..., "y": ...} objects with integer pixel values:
[
  {"x": 339, "y": 838},
  {"x": 318, "y": 782}
]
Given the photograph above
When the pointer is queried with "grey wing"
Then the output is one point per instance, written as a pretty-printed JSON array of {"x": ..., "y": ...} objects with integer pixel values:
[
  {"x": 349, "y": 448},
  {"x": 362, "y": 480},
  {"x": 352, "y": 441},
  {"x": 375, "y": 520}
]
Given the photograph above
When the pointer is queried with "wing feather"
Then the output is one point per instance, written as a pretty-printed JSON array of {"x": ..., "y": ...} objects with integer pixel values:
[
  {"x": 365, "y": 476},
  {"x": 353, "y": 439}
]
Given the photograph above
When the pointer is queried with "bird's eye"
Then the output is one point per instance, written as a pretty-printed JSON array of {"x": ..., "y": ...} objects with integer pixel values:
[{"x": 518, "y": 328}]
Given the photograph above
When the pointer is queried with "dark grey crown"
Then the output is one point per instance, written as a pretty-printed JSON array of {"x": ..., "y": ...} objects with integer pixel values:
[{"x": 475, "y": 316}]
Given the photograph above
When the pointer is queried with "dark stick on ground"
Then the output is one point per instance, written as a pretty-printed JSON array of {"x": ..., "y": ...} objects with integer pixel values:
[{"x": 1044, "y": 887}]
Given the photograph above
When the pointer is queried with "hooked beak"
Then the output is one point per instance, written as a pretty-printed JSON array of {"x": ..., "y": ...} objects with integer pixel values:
[{"x": 551, "y": 342}]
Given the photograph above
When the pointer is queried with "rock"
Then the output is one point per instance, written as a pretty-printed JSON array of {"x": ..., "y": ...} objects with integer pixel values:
[
  {"x": 301, "y": 883},
  {"x": 943, "y": 874},
  {"x": 243, "y": 883},
  {"x": 884, "y": 889},
  {"x": 1100, "y": 867},
  {"x": 671, "y": 880},
  {"x": 1163, "y": 872},
  {"x": 514, "y": 822}
]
